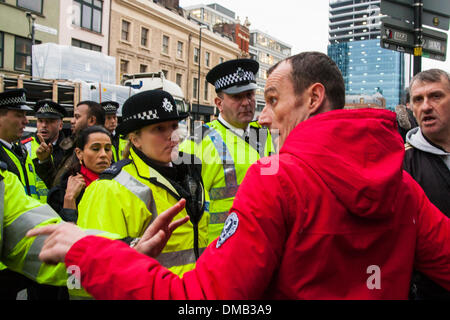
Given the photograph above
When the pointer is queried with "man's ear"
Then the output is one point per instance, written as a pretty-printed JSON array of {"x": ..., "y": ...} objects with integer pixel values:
[
  {"x": 92, "y": 120},
  {"x": 218, "y": 101},
  {"x": 317, "y": 97}
]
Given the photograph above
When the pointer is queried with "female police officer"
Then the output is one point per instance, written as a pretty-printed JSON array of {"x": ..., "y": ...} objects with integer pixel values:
[{"x": 129, "y": 195}]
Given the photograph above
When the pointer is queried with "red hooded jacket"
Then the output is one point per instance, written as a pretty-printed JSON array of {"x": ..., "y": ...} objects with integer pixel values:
[{"x": 333, "y": 216}]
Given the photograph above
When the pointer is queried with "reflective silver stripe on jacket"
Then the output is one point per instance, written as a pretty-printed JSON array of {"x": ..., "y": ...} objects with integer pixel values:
[
  {"x": 32, "y": 264},
  {"x": 2, "y": 213},
  {"x": 17, "y": 230},
  {"x": 140, "y": 190},
  {"x": 229, "y": 170},
  {"x": 178, "y": 258}
]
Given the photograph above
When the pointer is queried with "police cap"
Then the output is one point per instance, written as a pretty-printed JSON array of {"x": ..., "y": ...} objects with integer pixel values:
[
  {"x": 14, "y": 99},
  {"x": 234, "y": 76}
]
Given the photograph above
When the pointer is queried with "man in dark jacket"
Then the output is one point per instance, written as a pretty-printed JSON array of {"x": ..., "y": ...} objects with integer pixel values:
[{"x": 427, "y": 156}]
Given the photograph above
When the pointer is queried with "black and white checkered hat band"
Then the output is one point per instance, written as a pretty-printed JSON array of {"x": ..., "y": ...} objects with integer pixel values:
[
  {"x": 110, "y": 108},
  {"x": 147, "y": 115},
  {"x": 12, "y": 101},
  {"x": 47, "y": 109},
  {"x": 233, "y": 79}
]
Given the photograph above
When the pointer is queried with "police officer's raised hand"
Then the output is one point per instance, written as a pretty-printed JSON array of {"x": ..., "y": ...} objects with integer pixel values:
[
  {"x": 61, "y": 238},
  {"x": 158, "y": 233},
  {"x": 44, "y": 151}
]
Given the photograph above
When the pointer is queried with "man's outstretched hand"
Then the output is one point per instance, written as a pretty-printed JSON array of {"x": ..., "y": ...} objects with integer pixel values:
[
  {"x": 61, "y": 237},
  {"x": 158, "y": 233}
]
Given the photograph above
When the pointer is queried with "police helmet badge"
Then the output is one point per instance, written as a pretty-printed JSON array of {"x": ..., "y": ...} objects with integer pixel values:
[
  {"x": 167, "y": 105},
  {"x": 229, "y": 229}
]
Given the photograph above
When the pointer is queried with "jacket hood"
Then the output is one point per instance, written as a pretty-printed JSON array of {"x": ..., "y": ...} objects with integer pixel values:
[
  {"x": 415, "y": 138},
  {"x": 357, "y": 153}
]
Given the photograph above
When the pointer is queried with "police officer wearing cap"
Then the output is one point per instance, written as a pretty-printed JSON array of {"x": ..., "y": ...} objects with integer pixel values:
[
  {"x": 229, "y": 145},
  {"x": 13, "y": 120},
  {"x": 14, "y": 158},
  {"x": 44, "y": 146},
  {"x": 132, "y": 192},
  {"x": 119, "y": 144}
]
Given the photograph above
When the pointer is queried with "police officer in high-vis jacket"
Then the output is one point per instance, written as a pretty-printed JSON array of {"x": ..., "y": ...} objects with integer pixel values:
[
  {"x": 128, "y": 196},
  {"x": 43, "y": 146},
  {"x": 228, "y": 146},
  {"x": 20, "y": 213},
  {"x": 119, "y": 144},
  {"x": 13, "y": 120}
]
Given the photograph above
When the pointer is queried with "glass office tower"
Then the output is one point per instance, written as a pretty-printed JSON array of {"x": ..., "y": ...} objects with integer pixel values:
[{"x": 354, "y": 44}]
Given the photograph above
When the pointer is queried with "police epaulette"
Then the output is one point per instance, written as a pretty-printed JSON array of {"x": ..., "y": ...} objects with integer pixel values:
[
  {"x": 3, "y": 165},
  {"x": 114, "y": 170},
  {"x": 24, "y": 141}
]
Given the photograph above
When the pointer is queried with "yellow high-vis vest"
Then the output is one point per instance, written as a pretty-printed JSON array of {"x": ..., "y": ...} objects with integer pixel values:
[
  {"x": 225, "y": 159},
  {"x": 128, "y": 197}
]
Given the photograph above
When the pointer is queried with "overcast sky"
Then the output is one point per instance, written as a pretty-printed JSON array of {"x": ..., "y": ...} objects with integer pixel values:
[{"x": 303, "y": 24}]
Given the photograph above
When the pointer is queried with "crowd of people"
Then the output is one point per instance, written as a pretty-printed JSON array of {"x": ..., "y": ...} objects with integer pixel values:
[{"x": 311, "y": 201}]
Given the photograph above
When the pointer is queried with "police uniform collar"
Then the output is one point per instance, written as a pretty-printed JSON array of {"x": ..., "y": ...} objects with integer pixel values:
[{"x": 239, "y": 131}]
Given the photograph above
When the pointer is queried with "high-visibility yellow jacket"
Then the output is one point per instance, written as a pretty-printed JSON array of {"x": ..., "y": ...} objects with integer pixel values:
[
  {"x": 118, "y": 149},
  {"x": 26, "y": 173},
  {"x": 18, "y": 214},
  {"x": 32, "y": 145},
  {"x": 128, "y": 197},
  {"x": 225, "y": 159}
]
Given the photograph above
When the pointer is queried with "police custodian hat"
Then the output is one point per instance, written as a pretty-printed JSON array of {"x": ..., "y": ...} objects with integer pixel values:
[
  {"x": 234, "y": 76},
  {"x": 110, "y": 107},
  {"x": 14, "y": 99},
  {"x": 48, "y": 109},
  {"x": 146, "y": 108}
]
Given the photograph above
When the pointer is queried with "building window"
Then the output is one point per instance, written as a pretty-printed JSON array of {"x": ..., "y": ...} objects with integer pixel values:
[
  {"x": 144, "y": 37},
  {"x": 205, "y": 92},
  {"x": 125, "y": 30},
  {"x": 143, "y": 68},
  {"x": 88, "y": 14},
  {"x": 123, "y": 67},
  {"x": 221, "y": 60},
  {"x": 165, "y": 44},
  {"x": 195, "y": 88},
  {"x": 22, "y": 54},
  {"x": 179, "y": 79},
  {"x": 86, "y": 45},
  {"x": 196, "y": 55},
  {"x": 180, "y": 50},
  {"x": 1, "y": 48},
  {"x": 207, "y": 58},
  {"x": 33, "y": 5}
]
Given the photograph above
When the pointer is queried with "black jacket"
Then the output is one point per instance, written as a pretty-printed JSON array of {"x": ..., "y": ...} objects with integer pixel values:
[
  {"x": 433, "y": 176},
  {"x": 55, "y": 199}
]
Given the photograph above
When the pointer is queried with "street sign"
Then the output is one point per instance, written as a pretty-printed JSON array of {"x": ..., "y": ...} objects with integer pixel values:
[
  {"x": 399, "y": 36},
  {"x": 436, "y": 13},
  {"x": 45, "y": 29}
]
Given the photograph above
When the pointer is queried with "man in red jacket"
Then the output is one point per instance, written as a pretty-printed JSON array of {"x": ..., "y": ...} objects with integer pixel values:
[{"x": 340, "y": 219}]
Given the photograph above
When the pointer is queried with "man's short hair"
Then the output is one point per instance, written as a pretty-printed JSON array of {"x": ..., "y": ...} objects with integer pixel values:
[
  {"x": 95, "y": 110},
  {"x": 432, "y": 75},
  {"x": 312, "y": 67}
]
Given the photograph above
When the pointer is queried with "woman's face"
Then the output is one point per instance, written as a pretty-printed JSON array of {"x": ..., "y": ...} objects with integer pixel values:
[
  {"x": 97, "y": 153},
  {"x": 158, "y": 141}
]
